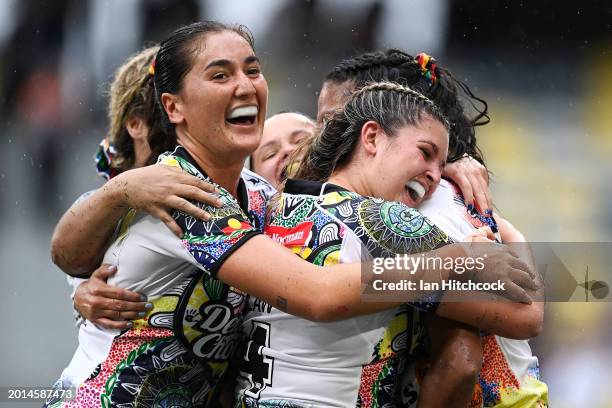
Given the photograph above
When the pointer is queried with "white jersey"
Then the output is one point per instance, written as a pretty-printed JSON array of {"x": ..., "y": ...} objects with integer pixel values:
[
  {"x": 289, "y": 361},
  {"x": 510, "y": 372},
  {"x": 190, "y": 335}
]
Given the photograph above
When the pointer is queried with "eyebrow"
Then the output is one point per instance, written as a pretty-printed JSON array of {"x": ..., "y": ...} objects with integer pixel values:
[
  {"x": 433, "y": 145},
  {"x": 267, "y": 144},
  {"x": 224, "y": 62},
  {"x": 298, "y": 132}
]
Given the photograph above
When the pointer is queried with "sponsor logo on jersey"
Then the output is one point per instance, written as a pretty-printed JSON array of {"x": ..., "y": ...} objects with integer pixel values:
[{"x": 290, "y": 237}]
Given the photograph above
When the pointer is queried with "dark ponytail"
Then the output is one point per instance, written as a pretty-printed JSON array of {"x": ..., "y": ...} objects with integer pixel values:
[
  {"x": 176, "y": 57},
  {"x": 397, "y": 66}
]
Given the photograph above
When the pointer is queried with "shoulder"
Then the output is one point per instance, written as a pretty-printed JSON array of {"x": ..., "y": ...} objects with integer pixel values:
[
  {"x": 174, "y": 159},
  {"x": 254, "y": 182},
  {"x": 389, "y": 227},
  {"x": 84, "y": 196},
  {"x": 447, "y": 210}
]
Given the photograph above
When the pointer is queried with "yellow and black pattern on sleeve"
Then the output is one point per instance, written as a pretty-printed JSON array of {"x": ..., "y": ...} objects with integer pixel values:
[{"x": 210, "y": 242}]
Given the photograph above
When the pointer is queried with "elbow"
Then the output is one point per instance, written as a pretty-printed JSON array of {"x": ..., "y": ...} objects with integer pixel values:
[
  {"x": 322, "y": 312},
  {"x": 56, "y": 252},
  {"x": 71, "y": 266},
  {"x": 534, "y": 327},
  {"x": 325, "y": 308},
  {"x": 535, "y": 322},
  {"x": 57, "y": 256},
  {"x": 529, "y": 327}
]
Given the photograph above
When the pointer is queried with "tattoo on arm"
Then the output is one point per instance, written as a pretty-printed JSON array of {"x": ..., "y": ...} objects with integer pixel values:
[{"x": 281, "y": 303}]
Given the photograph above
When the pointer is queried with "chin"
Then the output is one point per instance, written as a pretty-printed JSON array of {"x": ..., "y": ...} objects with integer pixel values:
[
  {"x": 246, "y": 148},
  {"x": 408, "y": 201}
]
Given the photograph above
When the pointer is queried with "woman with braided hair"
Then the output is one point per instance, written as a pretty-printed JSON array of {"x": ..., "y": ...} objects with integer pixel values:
[
  {"x": 465, "y": 164},
  {"x": 386, "y": 137},
  {"x": 509, "y": 375}
]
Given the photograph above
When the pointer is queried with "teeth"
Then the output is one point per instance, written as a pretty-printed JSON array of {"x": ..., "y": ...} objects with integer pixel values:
[
  {"x": 416, "y": 187},
  {"x": 243, "y": 111}
]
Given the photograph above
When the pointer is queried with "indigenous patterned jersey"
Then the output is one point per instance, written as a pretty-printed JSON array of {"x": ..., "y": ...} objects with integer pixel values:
[
  {"x": 510, "y": 375},
  {"x": 292, "y": 362},
  {"x": 177, "y": 353}
]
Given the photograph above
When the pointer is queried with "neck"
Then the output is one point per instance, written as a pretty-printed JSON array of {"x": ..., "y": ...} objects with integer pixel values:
[
  {"x": 142, "y": 152},
  {"x": 351, "y": 178},
  {"x": 221, "y": 169}
]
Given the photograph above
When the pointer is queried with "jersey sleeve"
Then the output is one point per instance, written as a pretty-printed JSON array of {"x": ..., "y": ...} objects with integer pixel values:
[
  {"x": 388, "y": 228},
  {"x": 74, "y": 283},
  {"x": 211, "y": 242}
]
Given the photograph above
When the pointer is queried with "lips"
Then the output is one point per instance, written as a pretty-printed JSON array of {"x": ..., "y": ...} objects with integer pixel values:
[
  {"x": 416, "y": 190},
  {"x": 243, "y": 115}
]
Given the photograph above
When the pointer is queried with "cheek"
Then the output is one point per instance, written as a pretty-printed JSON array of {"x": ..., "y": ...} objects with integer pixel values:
[
  {"x": 262, "y": 90},
  {"x": 262, "y": 87},
  {"x": 261, "y": 166},
  {"x": 413, "y": 162},
  {"x": 268, "y": 170}
]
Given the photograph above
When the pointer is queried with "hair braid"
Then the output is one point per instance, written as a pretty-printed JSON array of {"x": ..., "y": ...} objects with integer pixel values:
[
  {"x": 389, "y": 104},
  {"x": 397, "y": 66}
]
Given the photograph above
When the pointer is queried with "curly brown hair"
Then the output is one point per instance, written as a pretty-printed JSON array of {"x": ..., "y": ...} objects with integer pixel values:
[{"x": 132, "y": 93}]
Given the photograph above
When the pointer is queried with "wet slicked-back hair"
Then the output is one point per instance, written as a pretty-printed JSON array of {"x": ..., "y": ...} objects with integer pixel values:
[
  {"x": 176, "y": 57},
  {"x": 389, "y": 104},
  {"x": 397, "y": 66}
]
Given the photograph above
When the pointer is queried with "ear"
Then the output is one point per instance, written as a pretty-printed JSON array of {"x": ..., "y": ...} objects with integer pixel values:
[
  {"x": 370, "y": 137},
  {"x": 173, "y": 107},
  {"x": 137, "y": 128}
]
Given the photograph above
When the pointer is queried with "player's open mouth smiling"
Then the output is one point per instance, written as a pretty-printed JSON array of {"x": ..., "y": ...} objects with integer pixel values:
[
  {"x": 416, "y": 190},
  {"x": 243, "y": 115}
]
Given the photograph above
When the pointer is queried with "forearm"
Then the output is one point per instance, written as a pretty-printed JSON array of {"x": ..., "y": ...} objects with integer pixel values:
[
  {"x": 282, "y": 279},
  {"x": 503, "y": 318},
  {"x": 453, "y": 367},
  {"x": 312, "y": 292},
  {"x": 83, "y": 232}
]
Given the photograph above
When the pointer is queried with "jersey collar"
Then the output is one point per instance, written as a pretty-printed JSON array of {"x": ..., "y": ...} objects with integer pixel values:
[
  {"x": 309, "y": 187},
  {"x": 243, "y": 195}
]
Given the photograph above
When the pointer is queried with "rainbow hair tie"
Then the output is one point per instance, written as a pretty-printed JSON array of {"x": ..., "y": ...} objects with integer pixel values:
[
  {"x": 428, "y": 67},
  {"x": 152, "y": 68},
  {"x": 104, "y": 158}
]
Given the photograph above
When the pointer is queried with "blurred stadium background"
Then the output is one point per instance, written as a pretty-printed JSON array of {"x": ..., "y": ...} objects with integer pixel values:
[{"x": 544, "y": 67}]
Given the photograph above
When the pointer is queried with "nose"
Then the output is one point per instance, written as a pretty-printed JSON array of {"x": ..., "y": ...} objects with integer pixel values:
[
  {"x": 244, "y": 87},
  {"x": 434, "y": 174},
  {"x": 286, "y": 151}
]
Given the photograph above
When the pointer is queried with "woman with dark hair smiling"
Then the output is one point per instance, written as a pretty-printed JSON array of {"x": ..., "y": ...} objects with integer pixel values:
[
  {"x": 350, "y": 203},
  {"x": 505, "y": 371},
  {"x": 214, "y": 98}
]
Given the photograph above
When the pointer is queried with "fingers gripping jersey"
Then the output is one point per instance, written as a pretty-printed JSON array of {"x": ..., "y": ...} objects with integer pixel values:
[
  {"x": 293, "y": 362},
  {"x": 177, "y": 353}
]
